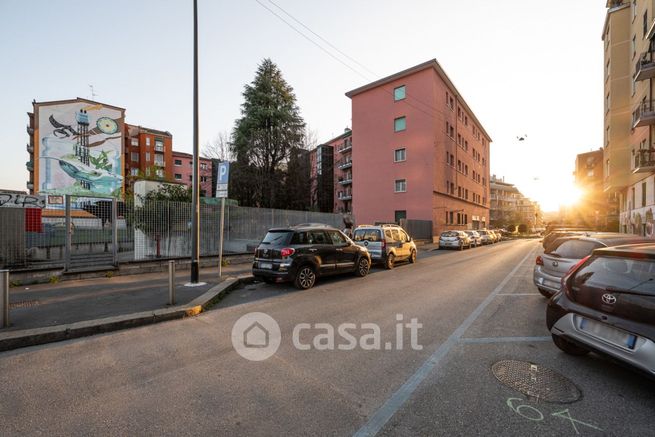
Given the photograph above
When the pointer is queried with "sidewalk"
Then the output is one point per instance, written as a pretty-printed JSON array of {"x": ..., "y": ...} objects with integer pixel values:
[{"x": 44, "y": 305}]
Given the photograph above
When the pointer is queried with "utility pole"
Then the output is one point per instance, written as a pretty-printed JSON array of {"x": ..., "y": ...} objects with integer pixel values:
[{"x": 195, "y": 206}]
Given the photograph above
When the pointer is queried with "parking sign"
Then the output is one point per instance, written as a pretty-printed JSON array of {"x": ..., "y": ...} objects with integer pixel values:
[{"x": 223, "y": 177}]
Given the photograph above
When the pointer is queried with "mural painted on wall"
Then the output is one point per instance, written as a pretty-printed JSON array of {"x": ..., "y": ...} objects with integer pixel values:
[{"x": 80, "y": 149}]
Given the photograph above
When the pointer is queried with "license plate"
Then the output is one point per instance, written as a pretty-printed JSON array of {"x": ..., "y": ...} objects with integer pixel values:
[
  {"x": 266, "y": 266},
  {"x": 608, "y": 333}
]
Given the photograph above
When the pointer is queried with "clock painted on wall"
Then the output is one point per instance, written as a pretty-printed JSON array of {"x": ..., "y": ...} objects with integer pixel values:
[{"x": 107, "y": 125}]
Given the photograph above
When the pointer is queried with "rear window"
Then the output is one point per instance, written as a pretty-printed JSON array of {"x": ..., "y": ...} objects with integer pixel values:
[
  {"x": 619, "y": 274},
  {"x": 450, "y": 234},
  {"x": 367, "y": 235},
  {"x": 277, "y": 237},
  {"x": 574, "y": 249}
]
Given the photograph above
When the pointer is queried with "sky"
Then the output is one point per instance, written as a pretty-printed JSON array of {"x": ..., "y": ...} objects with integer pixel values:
[{"x": 525, "y": 67}]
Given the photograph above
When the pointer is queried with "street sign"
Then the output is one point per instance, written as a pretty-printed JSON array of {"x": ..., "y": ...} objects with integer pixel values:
[{"x": 223, "y": 178}]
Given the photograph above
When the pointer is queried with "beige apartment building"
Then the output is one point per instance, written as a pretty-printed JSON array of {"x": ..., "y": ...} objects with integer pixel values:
[{"x": 629, "y": 151}]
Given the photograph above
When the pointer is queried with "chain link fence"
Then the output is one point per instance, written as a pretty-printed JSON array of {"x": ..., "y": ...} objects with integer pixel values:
[{"x": 84, "y": 232}]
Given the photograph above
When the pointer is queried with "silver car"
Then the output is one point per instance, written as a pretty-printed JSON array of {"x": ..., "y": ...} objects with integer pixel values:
[
  {"x": 566, "y": 252},
  {"x": 476, "y": 239},
  {"x": 487, "y": 237},
  {"x": 454, "y": 240},
  {"x": 386, "y": 243}
]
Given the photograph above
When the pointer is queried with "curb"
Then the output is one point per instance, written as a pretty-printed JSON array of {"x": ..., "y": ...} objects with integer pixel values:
[{"x": 50, "y": 334}]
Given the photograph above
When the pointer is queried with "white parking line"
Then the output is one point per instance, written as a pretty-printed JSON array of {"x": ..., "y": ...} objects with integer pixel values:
[
  {"x": 490, "y": 340},
  {"x": 398, "y": 399},
  {"x": 518, "y": 294}
]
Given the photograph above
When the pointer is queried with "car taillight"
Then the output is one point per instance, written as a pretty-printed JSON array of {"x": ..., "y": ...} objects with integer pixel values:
[
  {"x": 565, "y": 279},
  {"x": 384, "y": 244},
  {"x": 539, "y": 261},
  {"x": 287, "y": 251}
]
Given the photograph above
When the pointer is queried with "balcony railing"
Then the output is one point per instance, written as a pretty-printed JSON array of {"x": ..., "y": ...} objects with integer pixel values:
[
  {"x": 345, "y": 195},
  {"x": 346, "y": 180},
  {"x": 345, "y": 163},
  {"x": 29, "y": 185},
  {"x": 346, "y": 146},
  {"x": 644, "y": 115},
  {"x": 644, "y": 161},
  {"x": 29, "y": 165},
  {"x": 160, "y": 163},
  {"x": 29, "y": 148},
  {"x": 645, "y": 68}
]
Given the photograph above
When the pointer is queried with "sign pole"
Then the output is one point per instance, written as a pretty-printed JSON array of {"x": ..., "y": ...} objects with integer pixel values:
[{"x": 220, "y": 247}]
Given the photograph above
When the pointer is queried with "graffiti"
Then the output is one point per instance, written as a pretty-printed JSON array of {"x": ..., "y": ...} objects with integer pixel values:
[
  {"x": 532, "y": 414},
  {"x": 11, "y": 200},
  {"x": 80, "y": 151}
]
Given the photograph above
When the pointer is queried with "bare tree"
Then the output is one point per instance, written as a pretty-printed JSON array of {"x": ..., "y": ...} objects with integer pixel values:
[
  {"x": 311, "y": 138},
  {"x": 218, "y": 148}
]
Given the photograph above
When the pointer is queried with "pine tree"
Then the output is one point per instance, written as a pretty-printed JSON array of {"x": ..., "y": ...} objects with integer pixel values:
[{"x": 269, "y": 129}]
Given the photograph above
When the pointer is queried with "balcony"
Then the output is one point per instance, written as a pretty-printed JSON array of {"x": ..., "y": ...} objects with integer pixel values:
[
  {"x": 345, "y": 163},
  {"x": 345, "y": 195},
  {"x": 645, "y": 68},
  {"x": 29, "y": 165},
  {"x": 29, "y": 185},
  {"x": 644, "y": 161},
  {"x": 346, "y": 146},
  {"x": 160, "y": 163},
  {"x": 30, "y": 131},
  {"x": 29, "y": 148},
  {"x": 644, "y": 115},
  {"x": 347, "y": 180}
]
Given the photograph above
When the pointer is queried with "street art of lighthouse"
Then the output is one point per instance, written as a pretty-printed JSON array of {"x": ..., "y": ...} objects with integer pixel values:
[{"x": 80, "y": 144}]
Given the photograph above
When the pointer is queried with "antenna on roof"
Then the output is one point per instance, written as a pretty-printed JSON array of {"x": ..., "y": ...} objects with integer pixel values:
[{"x": 93, "y": 94}]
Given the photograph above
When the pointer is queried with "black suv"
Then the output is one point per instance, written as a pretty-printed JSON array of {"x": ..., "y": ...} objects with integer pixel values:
[
  {"x": 607, "y": 304},
  {"x": 304, "y": 252}
]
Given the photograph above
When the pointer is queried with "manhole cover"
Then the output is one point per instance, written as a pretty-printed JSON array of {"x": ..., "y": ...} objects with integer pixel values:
[
  {"x": 23, "y": 304},
  {"x": 536, "y": 381}
]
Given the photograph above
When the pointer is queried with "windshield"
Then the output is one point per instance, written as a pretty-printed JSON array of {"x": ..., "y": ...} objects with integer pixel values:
[
  {"x": 450, "y": 234},
  {"x": 572, "y": 249},
  {"x": 617, "y": 274}
]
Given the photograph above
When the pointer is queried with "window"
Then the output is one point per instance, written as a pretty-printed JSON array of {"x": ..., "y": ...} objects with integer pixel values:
[
  {"x": 178, "y": 177},
  {"x": 148, "y": 171},
  {"x": 466, "y": 169},
  {"x": 466, "y": 145},
  {"x": 450, "y": 102},
  {"x": 190, "y": 178},
  {"x": 466, "y": 120},
  {"x": 147, "y": 141},
  {"x": 398, "y": 216},
  {"x": 399, "y": 155},
  {"x": 399, "y": 93},
  {"x": 178, "y": 162},
  {"x": 466, "y": 194},
  {"x": 337, "y": 238},
  {"x": 134, "y": 171},
  {"x": 484, "y": 182},
  {"x": 203, "y": 178},
  {"x": 459, "y": 191},
  {"x": 401, "y": 185},
  {"x": 643, "y": 194},
  {"x": 634, "y": 13},
  {"x": 634, "y": 51},
  {"x": 147, "y": 156},
  {"x": 135, "y": 141},
  {"x": 159, "y": 145},
  {"x": 452, "y": 216},
  {"x": 203, "y": 166},
  {"x": 135, "y": 156},
  {"x": 399, "y": 124},
  {"x": 159, "y": 160},
  {"x": 607, "y": 68},
  {"x": 160, "y": 173},
  {"x": 645, "y": 24}
]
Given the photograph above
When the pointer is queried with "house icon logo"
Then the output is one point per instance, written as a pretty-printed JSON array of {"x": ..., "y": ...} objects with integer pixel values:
[{"x": 256, "y": 336}]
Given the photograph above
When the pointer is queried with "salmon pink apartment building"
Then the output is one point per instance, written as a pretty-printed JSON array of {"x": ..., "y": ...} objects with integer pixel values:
[{"x": 417, "y": 152}]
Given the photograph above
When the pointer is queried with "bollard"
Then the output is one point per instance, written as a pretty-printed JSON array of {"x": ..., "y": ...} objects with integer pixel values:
[
  {"x": 4, "y": 297},
  {"x": 171, "y": 282}
]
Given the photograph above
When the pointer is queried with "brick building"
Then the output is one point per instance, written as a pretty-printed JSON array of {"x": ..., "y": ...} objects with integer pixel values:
[
  {"x": 148, "y": 154},
  {"x": 183, "y": 172}
]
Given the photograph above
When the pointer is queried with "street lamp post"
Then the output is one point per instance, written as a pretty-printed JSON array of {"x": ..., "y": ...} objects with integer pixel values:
[{"x": 195, "y": 205}]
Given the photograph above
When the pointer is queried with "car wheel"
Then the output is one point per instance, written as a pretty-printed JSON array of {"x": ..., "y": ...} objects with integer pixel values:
[
  {"x": 545, "y": 293},
  {"x": 568, "y": 347},
  {"x": 391, "y": 259},
  {"x": 461, "y": 246},
  {"x": 363, "y": 266},
  {"x": 305, "y": 278},
  {"x": 269, "y": 280},
  {"x": 412, "y": 257}
]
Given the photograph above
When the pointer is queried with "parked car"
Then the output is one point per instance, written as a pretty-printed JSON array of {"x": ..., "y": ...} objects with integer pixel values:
[
  {"x": 498, "y": 234},
  {"x": 566, "y": 252},
  {"x": 476, "y": 239},
  {"x": 454, "y": 239},
  {"x": 486, "y": 236},
  {"x": 386, "y": 243},
  {"x": 559, "y": 233},
  {"x": 303, "y": 253},
  {"x": 607, "y": 305}
]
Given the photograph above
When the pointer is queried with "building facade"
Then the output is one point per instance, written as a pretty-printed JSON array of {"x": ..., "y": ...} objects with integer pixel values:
[
  {"x": 183, "y": 172},
  {"x": 322, "y": 178},
  {"x": 629, "y": 152},
  {"x": 148, "y": 154},
  {"x": 418, "y": 152},
  {"x": 343, "y": 172},
  {"x": 511, "y": 210},
  {"x": 592, "y": 209}
]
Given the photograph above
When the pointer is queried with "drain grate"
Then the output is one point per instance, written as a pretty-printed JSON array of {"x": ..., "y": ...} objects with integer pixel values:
[
  {"x": 23, "y": 304},
  {"x": 536, "y": 381}
]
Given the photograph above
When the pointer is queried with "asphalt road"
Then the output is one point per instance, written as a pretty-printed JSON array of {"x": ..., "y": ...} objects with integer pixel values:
[{"x": 476, "y": 307}]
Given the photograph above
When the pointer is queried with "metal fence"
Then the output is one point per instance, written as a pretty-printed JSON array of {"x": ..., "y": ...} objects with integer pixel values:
[
  {"x": 418, "y": 229},
  {"x": 88, "y": 233}
]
